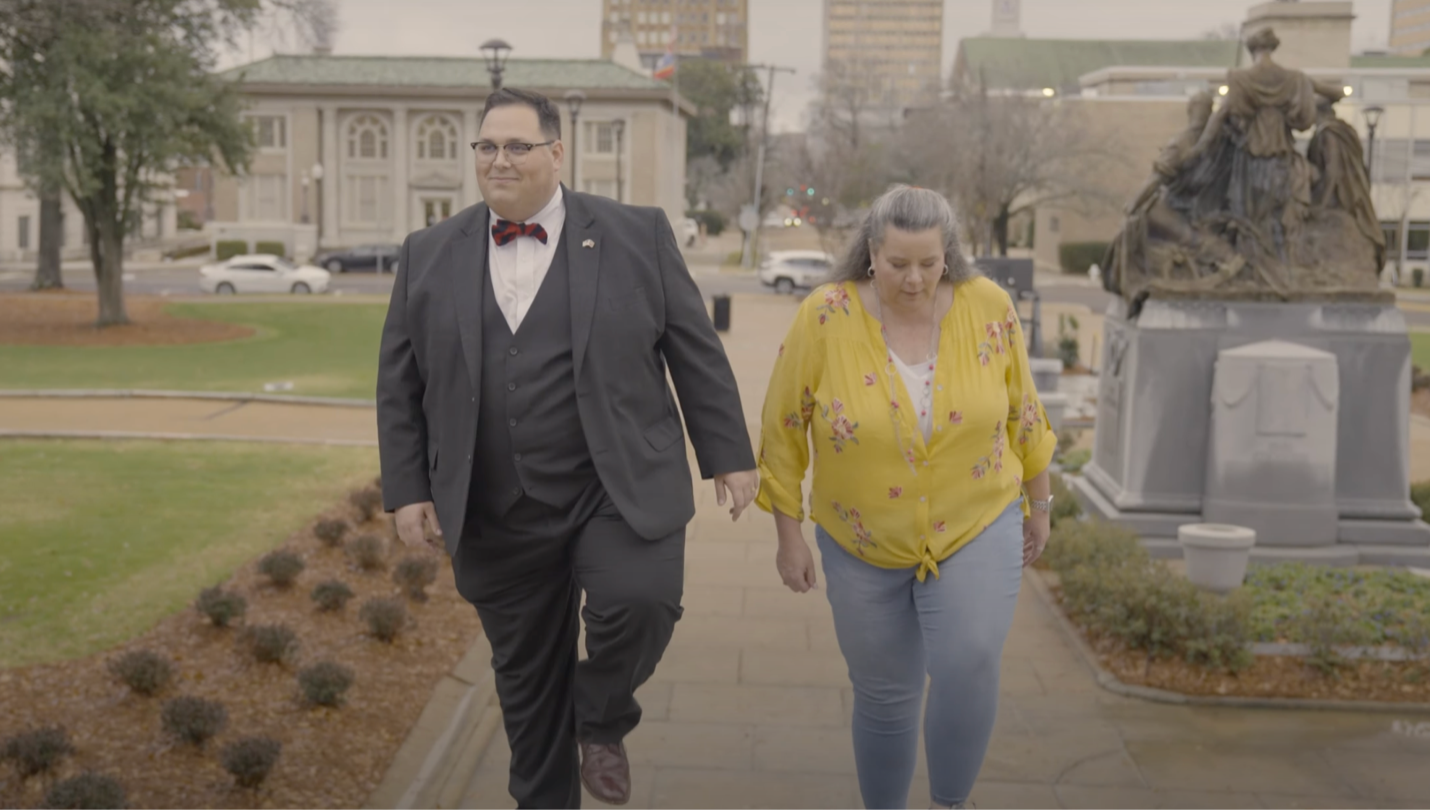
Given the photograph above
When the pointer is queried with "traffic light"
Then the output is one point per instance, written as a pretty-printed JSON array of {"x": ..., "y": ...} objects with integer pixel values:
[
  {"x": 811, "y": 191},
  {"x": 789, "y": 191}
]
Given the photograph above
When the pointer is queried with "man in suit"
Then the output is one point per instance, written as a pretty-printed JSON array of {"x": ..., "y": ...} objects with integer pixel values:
[{"x": 523, "y": 408}]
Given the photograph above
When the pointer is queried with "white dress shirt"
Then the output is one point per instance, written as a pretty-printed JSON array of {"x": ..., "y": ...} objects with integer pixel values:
[{"x": 519, "y": 267}]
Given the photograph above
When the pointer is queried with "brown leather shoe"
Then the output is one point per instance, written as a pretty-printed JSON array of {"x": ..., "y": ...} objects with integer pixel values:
[{"x": 606, "y": 773}]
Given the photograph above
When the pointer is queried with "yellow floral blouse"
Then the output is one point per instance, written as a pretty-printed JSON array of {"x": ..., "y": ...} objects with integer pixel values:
[{"x": 886, "y": 495}]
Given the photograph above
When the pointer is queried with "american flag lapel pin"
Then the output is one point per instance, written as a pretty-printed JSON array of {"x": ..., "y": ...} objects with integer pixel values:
[{"x": 589, "y": 244}]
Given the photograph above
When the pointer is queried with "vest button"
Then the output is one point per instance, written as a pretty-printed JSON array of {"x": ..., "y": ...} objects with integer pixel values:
[
  {"x": 513, "y": 350},
  {"x": 511, "y": 422},
  {"x": 516, "y": 457},
  {"x": 511, "y": 387}
]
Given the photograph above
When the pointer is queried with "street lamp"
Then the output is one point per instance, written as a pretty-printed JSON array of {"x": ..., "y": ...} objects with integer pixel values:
[
  {"x": 1372, "y": 120},
  {"x": 495, "y": 52},
  {"x": 574, "y": 99},
  {"x": 305, "y": 218},
  {"x": 316, "y": 173},
  {"x": 618, "y": 128}
]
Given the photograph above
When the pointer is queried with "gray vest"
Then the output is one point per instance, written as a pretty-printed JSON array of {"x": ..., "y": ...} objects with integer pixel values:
[{"x": 529, "y": 437}]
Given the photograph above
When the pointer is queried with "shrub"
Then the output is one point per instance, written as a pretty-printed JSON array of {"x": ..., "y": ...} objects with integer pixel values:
[
  {"x": 275, "y": 247},
  {"x": 384, "y": 618},
  {"x": 1326, "y": 624},
  {"x": 87, "y": 790},
  {"x": 331, "y": 596},
  {"x": 250, "y": 760},
  {"x": 1417, "y": 276},
  {"x": 414, "y": 574},
  {"x": 368, "y": 502},
  {"x": 145, "y": 672},
  {"x": 331, "y": 531},
  {"x": 38, "y": 751},
  {"x": 1093, "y": 544},
  {"x": 1420, "y": 495},
  {"x": 220, "y": 607},
  {"x": 185, "y": 253},
  {"x": 227, "y": 249},
  {"x": 188, "y": 221},
  {"x": 281, "y": 567},
  {"x": 713, "y": 221},
  {"x": 272, "y": 644},
  {"x": 1077, "y": 257},
  {"x": 368, "y": 552},
  {"x": 194, "y": 720},
  {"x": 325, "y": 683},
  {"x": 1113, "y": 586},
  {"x": 1065, "y": 504},
  {"x": 1074, "y": 461}
]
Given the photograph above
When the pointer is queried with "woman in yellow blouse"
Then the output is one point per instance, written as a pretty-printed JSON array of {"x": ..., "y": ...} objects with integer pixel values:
[{"x": 910, "y": 374}]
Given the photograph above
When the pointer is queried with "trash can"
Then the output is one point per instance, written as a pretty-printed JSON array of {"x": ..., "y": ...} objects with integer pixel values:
[{"x": 722, "y": 314}]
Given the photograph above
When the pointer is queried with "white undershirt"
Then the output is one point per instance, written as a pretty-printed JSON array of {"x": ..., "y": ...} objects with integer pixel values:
[
  {"x": 519, "y": 267},
  {"x": 914, "y": 380}
]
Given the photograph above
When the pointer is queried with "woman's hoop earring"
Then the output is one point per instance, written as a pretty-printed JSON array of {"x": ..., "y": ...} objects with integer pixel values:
[
  {"x": 945, "y": 271},
  {"x": 871, "y": 271}
]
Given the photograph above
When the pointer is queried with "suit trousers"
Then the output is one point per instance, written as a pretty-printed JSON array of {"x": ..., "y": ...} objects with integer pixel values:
[{"x": 525, "y": 573}]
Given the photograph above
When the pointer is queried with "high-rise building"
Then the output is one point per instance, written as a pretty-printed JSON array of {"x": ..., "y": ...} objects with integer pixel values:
[
  {"x": 1007, "y": 19},
  {"x": 895, "y": 46},
  {"x": 1409, "y": 27},
  {"x": 709, "y": 29}
]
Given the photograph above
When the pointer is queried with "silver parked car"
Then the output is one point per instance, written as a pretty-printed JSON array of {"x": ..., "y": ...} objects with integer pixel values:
[{"x": 788, "y": 271}]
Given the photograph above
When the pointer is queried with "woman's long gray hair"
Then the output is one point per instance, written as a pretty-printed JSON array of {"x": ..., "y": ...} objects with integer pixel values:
[{"x": 906, "y": 208}]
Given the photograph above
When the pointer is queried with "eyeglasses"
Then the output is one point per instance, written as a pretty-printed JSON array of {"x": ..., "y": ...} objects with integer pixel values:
[{"x": 515, "y": 152}]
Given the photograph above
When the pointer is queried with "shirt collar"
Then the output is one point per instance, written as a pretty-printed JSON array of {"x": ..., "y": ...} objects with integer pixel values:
[{"x": 549, "y": 214}]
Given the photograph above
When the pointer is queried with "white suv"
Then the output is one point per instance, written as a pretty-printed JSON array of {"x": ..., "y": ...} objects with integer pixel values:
[{"x": 787, "y": 271}]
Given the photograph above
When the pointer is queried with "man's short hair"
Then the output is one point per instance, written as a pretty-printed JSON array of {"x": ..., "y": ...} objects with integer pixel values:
[{"x": 546, "y": 113}]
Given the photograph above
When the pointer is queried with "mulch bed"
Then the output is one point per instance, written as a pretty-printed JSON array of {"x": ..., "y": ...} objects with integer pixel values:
[
  {"x": 1268, "y": 677},
  {"x": 331, "y": 758},
  {"x": 66, "y": 318}
]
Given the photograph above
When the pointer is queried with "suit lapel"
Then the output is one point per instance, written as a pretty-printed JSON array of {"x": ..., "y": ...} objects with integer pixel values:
[
  {"x": 583, "y": 261},
  {"x": 468, "y": 261}
]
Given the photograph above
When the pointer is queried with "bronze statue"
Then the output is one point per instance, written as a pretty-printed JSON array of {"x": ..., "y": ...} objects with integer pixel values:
[{"x": 1235, "y": 211}]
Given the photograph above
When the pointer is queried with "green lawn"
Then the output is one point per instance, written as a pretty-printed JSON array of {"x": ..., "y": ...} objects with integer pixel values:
[
  {"x": 325, "y": 348},
  {"x": 100, "y": 540},
  {"x": 1420, "y": 349}
]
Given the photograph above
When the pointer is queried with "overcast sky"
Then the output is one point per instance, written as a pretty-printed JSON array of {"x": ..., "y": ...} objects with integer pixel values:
[{"x": 784, "y": 32}]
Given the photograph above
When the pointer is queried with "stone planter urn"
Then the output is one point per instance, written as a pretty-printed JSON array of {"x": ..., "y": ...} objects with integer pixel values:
[{"x": 1216, "y": 554}]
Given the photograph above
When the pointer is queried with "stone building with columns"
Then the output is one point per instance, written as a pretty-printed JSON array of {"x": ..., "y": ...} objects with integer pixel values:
[{"x": 355, "y": 149}]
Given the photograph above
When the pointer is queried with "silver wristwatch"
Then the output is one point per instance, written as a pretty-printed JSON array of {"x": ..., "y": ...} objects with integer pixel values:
[{"x": 1044, "y": 506}]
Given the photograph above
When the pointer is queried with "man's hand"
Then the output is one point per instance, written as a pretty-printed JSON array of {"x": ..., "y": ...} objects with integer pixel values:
[
  {"x": 412, "y": 523},
  {"x": 740, "y": 486}
]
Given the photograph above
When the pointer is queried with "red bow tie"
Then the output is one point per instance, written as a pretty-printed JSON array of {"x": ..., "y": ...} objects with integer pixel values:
[{"x": 504, "y": 231}]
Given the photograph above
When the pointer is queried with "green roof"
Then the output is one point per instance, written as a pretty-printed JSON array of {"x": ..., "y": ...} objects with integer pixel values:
[
  {"x": 1027, "y": 64},
  {"x": 436, "y": 71},
  {"x": 1388, "y": 61}
]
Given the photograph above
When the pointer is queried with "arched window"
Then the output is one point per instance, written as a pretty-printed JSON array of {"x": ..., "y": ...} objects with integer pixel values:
[
  {"x": 437, "y": 139},
  {"x": 367, "y": 138}
]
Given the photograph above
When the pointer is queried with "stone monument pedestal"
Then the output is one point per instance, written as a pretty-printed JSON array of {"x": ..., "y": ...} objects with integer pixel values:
[{"x": 1150, "y": 457}]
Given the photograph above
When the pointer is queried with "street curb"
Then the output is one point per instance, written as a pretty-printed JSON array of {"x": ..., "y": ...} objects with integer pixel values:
[
  {"x": 435, "y": 763},
  {"x": 296, "y": 400},
  {"x": 1107, "y": 681},
  {"x": 18, "y": 434}
]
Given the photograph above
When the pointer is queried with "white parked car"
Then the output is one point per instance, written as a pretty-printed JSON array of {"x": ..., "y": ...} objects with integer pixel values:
[
  {"x": 787, "y": 271},
  {"x": 262, "y": 273}
]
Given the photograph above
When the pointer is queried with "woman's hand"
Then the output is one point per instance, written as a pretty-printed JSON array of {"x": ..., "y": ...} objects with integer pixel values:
[
  {"x": 1036, "y": 528},
  {"x": 795, "y": 563}
]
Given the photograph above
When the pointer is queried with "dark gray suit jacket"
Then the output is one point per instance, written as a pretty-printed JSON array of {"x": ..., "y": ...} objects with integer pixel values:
[{"x": 634, "y": 309}]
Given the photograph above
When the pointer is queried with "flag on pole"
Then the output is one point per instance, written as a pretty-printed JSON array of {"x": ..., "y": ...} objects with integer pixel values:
[{"x": 665, "y": 68}]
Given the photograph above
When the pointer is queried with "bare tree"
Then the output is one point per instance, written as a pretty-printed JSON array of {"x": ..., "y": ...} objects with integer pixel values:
[
  {"x": 1228, "y": 31},
  {"x": 998, "y": 156}
]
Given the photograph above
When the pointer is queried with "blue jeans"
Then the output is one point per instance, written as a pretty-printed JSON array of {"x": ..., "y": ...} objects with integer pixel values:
[{"x": 893, "y": 630}]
